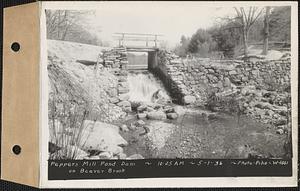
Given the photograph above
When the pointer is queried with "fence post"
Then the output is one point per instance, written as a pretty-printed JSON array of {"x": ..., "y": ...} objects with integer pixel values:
[{"x": 123, "y": 39}]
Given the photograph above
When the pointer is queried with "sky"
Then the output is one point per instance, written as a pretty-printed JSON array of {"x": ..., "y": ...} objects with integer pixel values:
[{"x": 172, "y": 20}]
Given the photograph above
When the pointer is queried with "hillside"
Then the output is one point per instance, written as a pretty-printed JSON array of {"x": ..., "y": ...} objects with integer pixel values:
[
  {"x": 72, "y": 51},
  {"x": 73, "y": 80}
]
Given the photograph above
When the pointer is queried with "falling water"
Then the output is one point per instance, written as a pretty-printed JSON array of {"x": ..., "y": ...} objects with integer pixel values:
[{"x": 143, "y": 85}]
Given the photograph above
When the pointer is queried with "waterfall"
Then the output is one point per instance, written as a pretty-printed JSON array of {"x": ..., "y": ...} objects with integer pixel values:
[{"x": 143, "y": 86}]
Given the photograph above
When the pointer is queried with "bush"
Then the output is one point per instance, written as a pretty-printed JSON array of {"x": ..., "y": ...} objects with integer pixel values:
[
  {"x": 230, "y": 103},
  {"x": 200, "y": 43},
  {"x": 272, "y": 84},
  {"x": 226, "y": 40},
  {"x": 218, "y": 102}
]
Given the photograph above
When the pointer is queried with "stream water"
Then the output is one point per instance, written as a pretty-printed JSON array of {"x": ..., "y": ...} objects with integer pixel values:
[
  {"x": 193, "y": 136},
  {"x": 143, "y": 85}
]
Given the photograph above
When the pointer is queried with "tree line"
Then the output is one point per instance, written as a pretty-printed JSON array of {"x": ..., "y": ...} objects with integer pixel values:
[
  {"x": 232, "y": 35},
  {"x": 69, "y": 25}
]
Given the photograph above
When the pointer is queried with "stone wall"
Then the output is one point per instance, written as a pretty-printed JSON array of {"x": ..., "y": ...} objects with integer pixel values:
[
  {"x": 115, "y": 58},
  {"x": 168, "y": 77},
  {"x": 193, "y": 77},
  {"x": 191, "y": 81},
  {"x": 116, "y": 61}
]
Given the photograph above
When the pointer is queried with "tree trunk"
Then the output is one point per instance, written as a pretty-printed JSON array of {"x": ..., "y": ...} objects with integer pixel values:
[
  {"x": 65, "y": 33},
  {"x": 245, "y": 41},
  {"x": 58, "y": 25},
  {"x": 266, "y": 32}
]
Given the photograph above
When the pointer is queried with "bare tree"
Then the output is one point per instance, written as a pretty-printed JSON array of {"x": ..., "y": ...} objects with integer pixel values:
[
  {"x": 266, "y": 31},
  {"x": 246, "y": 19},
  {"x": 56, "y": 20},
  {"x": 61, "y": 22},
  {"x": 58, "y": 23}
]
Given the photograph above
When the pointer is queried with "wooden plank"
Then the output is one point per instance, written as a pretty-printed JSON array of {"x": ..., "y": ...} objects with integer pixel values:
[
  {"x": 141, "y": 48},
  {"x": 138, "y": 39},
  {"x": 139, "y": 34}
]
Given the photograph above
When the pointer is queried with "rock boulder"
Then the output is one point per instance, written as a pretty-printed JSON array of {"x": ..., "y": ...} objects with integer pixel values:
[
  {"x": 141, "y": 115},
  {"x": 140, "y": 123},
  {"x": 124, "y": 97},
  {"x": 124, "y": 128},
  {"x": 125, "y": 105},
  {"x": 135, "y": 156},
  {"x": 189, "y": 99},
  {"x": 156, "y": 115},
  {"x": 172, "y": 115},
  {"x": 100, "y": 136}
]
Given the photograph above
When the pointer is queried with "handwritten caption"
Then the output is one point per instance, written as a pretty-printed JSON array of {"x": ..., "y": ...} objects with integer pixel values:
[{"x": 120, "y": 167}]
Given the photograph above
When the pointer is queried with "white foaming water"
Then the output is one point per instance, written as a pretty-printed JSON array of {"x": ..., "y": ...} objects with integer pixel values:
[{"x": 142, "y": 86}]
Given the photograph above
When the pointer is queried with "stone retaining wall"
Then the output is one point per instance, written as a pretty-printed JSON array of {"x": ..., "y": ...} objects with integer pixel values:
[
  {"x": 117, "y": 62},
  {"x": 191, "y": 81},
  {"x": 193, "y": 77},
  {"x": 115, "y": 58}
]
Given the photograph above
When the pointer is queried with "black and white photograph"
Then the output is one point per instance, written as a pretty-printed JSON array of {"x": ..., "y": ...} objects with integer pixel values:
[
  {"x": 141, "y": 84},
  {"x": 169, "y": 89}
]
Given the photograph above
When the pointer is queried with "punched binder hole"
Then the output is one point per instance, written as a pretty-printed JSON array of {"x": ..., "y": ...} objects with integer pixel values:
[
  {"x": 16, "y": 149},
  {"x": 15, "y": 46}
]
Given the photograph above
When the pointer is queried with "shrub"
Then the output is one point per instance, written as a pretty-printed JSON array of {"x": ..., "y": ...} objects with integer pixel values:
[
  {"x": 225, "y": 40},
  {"x": 228, "y": 103},
  {"x": 200, "y": 43}
]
